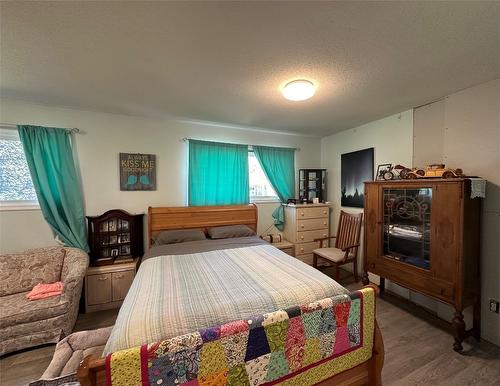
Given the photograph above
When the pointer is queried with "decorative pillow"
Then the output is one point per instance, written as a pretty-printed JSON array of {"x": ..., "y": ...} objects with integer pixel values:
[
  {"x": 179, "y": 236},
  {"x": 20, "y": 272},
  {"x": 230, "y": 231}
]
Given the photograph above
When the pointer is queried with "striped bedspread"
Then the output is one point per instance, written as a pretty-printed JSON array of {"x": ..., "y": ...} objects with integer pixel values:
[{"x": 178, "y": 294}]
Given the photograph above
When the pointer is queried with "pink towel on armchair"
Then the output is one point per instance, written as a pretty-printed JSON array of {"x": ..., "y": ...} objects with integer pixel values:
[{"x": 42, "y": 291}]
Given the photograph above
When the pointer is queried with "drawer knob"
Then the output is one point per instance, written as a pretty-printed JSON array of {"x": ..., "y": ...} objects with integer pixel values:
[
  {"x": 103, "y": 278},
  {"x": 302, "y": 213},
  {"x": 301, "y": 249},
  {"x": 302, "y": 237},
  {"x": 302, "y": 225},
  {"x": 120, "y": 276},
  {"x": 324, "y": 223},
  {"x": 324, "y": 234},
  {"x": 324, "y": 212}
]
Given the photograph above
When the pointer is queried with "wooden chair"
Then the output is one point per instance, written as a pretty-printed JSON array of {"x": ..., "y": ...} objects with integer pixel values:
[{"x": 346, "y": 246}]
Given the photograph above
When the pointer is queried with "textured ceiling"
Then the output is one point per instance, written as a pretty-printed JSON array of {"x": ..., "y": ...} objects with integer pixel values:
[{"x": 226, "y": 61}]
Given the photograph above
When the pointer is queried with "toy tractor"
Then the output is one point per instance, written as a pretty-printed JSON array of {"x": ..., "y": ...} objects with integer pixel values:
[{"x": 394, "y": 172}]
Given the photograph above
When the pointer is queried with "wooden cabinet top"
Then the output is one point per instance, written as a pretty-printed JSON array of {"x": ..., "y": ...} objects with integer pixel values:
[
  {"x": 283, "y": 245},
  {"x": 95, "y": 270},
  {"x": 305, "y": 205},
  {"x": 114, "y": 213},
  {"x": 418, "y": 181}
]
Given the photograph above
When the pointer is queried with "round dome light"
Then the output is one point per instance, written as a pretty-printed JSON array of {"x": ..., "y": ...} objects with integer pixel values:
[{"x": 299, "y": 90}]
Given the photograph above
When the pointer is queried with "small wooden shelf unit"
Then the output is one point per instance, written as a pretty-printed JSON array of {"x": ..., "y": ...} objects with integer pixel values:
[{"x": 115, "y": 236}]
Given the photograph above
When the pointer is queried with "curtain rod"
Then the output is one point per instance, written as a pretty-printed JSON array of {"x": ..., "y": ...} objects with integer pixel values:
[
  {"x": 11, "y": 126},
  {"x": 185, "y": 139}
]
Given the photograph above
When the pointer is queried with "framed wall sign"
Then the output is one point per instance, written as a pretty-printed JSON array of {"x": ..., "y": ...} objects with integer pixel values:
[
  {"x": 355, "y": 168},
  {"x": 137, "y": 171}
]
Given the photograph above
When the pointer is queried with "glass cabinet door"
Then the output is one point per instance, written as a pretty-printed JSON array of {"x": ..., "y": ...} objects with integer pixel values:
[{"x": 407, "y": 225}]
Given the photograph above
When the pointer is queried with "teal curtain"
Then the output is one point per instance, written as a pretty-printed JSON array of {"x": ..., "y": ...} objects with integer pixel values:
[
  {"x": 49, "y": 154},
  {"x": 218, "y": 173},
  {"x": 279, "y": 166}
]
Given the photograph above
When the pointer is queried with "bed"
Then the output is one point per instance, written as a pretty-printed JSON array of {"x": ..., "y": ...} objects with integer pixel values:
[{"x": 235, "y": 311}]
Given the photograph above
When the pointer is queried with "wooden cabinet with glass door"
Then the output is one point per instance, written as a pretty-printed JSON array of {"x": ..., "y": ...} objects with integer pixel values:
[
  {"x": 424, "y": 235},
  {"x": 115, "y": 237}
]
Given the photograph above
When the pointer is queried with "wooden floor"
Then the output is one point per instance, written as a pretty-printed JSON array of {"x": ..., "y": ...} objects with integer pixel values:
[{"x": 418, "y": 352}]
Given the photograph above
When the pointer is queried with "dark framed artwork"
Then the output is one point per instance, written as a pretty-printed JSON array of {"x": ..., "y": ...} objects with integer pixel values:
[
  {"x": 355, "y": 168},
  {"x": 137, "y": 171}
]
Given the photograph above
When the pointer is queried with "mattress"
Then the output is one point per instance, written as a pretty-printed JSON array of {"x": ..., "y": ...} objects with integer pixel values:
[{"x": 174, "y": 295}]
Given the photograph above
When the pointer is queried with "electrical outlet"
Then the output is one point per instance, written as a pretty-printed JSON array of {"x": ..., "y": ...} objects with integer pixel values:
[{"x": 494, "y": 306}]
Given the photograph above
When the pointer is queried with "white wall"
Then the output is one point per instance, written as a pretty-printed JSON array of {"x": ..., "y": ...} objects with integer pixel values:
[
  {"x": 105, "y": 136},
  {"x": 392, "y": 139},
  {"x": 467, "y": 126},
  {"x": 20, "y": 230},
  {"x": 428, "y": 134}
]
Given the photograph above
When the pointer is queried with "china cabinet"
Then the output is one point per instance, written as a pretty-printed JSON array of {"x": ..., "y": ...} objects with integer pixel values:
[
  {"x": 115, "y": 236},
  {"x": 424, "y": 235}
]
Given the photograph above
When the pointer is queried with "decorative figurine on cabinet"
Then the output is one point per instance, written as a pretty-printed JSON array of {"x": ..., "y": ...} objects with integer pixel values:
[
  {"x": 388, "y": 172},
  {"x": 434, "y": 171}
]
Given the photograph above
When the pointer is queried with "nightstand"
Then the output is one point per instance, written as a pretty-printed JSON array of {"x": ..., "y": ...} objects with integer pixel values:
[
  {"x": 107, "y": 285},
  {"x": 286, "y": 246}
]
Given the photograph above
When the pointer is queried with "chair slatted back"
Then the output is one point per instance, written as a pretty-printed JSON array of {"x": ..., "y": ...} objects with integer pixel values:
[{"x": 349, "y": 230}]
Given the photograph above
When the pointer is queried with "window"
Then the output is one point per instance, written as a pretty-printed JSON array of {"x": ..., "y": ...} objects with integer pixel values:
[
  {"x": 260, "y": 188},
  {"x": 16, "y": 187}
]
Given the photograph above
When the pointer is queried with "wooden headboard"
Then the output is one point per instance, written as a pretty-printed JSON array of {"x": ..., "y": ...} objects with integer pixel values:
[{"x": 199, "y": 217}]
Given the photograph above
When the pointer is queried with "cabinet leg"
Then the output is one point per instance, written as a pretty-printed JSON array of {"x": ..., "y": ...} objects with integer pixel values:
[
  {"x": 458, "y": 325},
  {"x": 364, "y": 278},
  {"x": 382, "y": 284},
  {"x": 476, "y": 319}
]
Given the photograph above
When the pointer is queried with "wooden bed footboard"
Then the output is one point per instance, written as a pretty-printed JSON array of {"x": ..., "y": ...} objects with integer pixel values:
[{"x": 92, "y": 370}]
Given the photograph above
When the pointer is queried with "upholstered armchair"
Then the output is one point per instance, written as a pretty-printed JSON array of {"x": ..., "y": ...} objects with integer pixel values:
[{"x": 26, "y": 323}]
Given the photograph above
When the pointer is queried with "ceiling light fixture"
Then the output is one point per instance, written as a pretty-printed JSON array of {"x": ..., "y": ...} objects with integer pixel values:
[{"x": 299, "y": 90}]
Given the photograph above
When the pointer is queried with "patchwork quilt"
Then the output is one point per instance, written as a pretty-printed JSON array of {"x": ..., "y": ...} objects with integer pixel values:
[{"x": 299, "y": 345}]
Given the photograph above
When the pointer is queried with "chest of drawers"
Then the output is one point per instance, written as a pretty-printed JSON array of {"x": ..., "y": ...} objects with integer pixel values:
[{"x": 304, "y": 223}]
